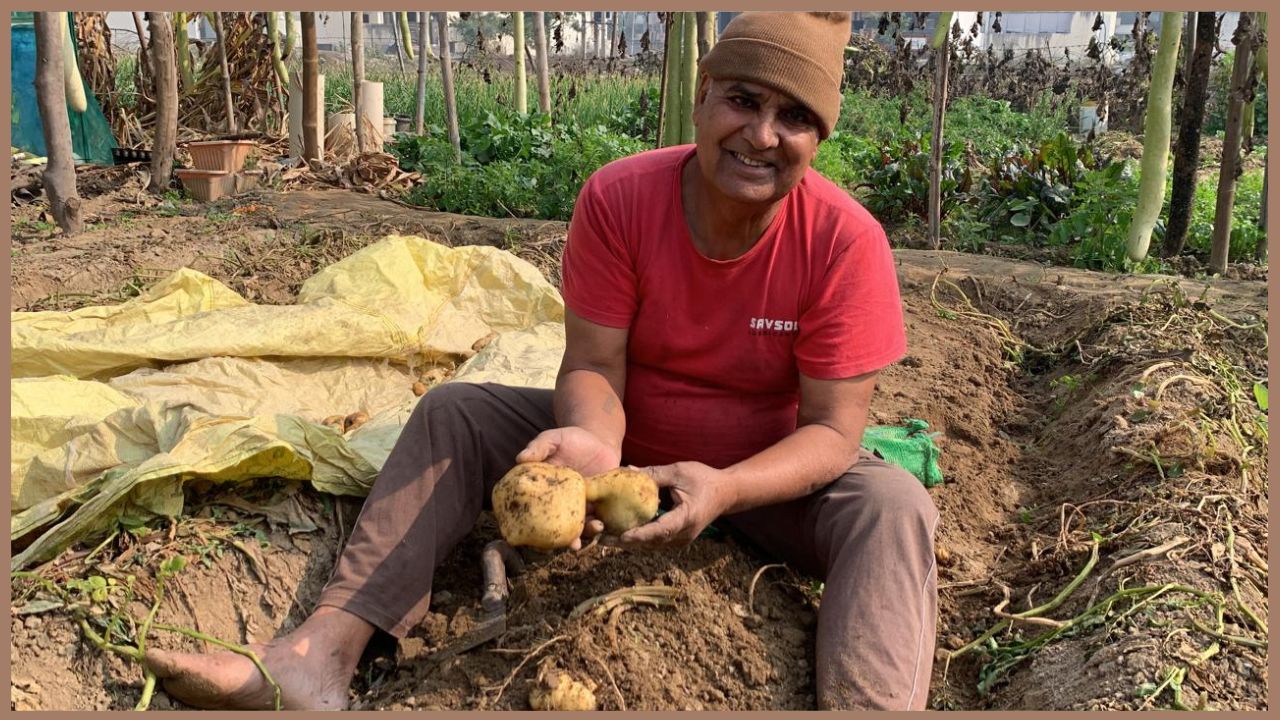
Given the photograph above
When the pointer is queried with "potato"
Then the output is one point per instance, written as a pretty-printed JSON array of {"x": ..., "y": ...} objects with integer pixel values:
[
  {"x": 540, "y": 506},
  {"x": 354, "y": 420},
  {"x": 624, "y": 498},
  {"x": 419, "y": 388},
  {"x": 558, "y": 691}
]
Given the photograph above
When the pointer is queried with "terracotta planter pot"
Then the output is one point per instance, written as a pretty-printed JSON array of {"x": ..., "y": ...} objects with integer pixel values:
[
  {"x": 206, "y": 185},
  {"x": 225, "y": 155}
]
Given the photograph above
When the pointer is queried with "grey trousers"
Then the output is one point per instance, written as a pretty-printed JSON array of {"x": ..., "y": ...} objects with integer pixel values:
[{"x": 868, "y": 536}]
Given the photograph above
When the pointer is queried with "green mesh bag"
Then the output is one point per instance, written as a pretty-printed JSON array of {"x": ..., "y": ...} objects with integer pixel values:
[{"x": 909, "y": 447}]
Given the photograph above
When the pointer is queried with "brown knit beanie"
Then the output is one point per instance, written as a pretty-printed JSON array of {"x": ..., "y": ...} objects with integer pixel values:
[{"x": 799, "y": 53}]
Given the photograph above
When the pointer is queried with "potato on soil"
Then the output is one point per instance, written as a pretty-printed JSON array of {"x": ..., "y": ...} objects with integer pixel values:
[
  {"x": 419, "y": 389},
  {"x": 558, "y": 691},
  {"x": 540, "y": 506},
  {"x": 623, "y": 498}
]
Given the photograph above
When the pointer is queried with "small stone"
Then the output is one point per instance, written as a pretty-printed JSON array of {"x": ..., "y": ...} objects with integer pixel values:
[
  {"x": 943, "y": 555},
  {"x": 31, "y": 623},
  {"x": 955, "y": 642}
]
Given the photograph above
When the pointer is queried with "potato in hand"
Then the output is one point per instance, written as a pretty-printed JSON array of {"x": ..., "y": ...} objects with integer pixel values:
[
  {"x": 623, "y": 498},
  {"x": 544, "y": 506},
  {"x": 540, "y": 505}
]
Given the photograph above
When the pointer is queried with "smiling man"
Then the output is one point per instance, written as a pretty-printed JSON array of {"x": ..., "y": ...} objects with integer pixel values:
[{"x": 727, "y": 313}]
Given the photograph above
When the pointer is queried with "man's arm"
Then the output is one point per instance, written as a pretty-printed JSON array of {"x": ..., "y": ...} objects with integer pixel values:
[
  {"x": 588, "y": 400},
  {"x": 832, "y": 416}
]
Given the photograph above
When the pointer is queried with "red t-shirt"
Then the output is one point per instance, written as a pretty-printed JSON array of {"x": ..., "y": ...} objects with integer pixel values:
[{"x": 715, "y": 347}]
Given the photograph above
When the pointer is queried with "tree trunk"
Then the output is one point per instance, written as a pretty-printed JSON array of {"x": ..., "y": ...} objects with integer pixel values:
[
  {"x": 1189, "y": 45},
  {"x": 399, "y": 50},
  {"x": 290, "y": 34},
  {"x": 706, "y": 32},
  {"x": 142, "y": 37},
  {"x": 357, "y": 80},
  {"x": 942, "y": 61},
  {"x": 312, "y": 142},
  {"x": 166, "y": 94},
  {"x": 1186, "y": 153},
  {"x": 1261, "y": 251},
  {"x": 228, "y": 100},
  {"x": 424, "y": 52},
  {"x": 1240, "y": 68},
  {"x": 1155, "y": 140},
  {"x": 688, "y": 77},
  {"x": 446, "y": 76},
  {"x": 582, "y": 50},
  {"x": 668, "y": 119},
  {"x": 522, "y": 75},
  {"x": 1257, "y": 71},
  {"x": 544, "y": 73},
  {"x": 51, "y": 97},
  {"x": 613, "y": 34}
]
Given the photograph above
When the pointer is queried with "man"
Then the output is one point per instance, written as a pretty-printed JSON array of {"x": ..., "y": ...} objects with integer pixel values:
[{"x": 727, "y": 313}]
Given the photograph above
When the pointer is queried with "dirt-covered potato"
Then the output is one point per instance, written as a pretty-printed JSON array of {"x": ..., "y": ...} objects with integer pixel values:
[
  {"x": 540, "y": 506},
  {"x": 623, "y": 498},
  {"x": 557, "y": 691}
]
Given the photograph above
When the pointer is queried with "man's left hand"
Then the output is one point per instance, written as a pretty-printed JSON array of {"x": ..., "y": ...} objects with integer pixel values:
[{"x": 699, "y": 494}]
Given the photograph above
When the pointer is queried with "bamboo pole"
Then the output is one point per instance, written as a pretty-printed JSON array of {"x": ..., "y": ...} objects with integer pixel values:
[
  {"x": 424, "y": 52},
  {"x": 1221, "y": 243},
  {"x": 689, "y": 77},
  {"x": 226, "y": 73},
  {"x": 357, "y": 81},
  {"x": 312, "y": 142},
  {"x": 446, "y": 76},
  {"x": 544, "y": 74},
  {"x": 942, "y": 54},
  {"x": 522, "y": 75}
]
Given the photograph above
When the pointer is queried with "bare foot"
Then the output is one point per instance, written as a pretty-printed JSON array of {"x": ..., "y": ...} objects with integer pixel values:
[{"x": 312, "y": 665}]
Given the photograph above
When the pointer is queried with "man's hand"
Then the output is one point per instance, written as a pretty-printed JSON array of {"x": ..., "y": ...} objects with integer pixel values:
[
  {"x": 699, "y": 494},
  {"x": 571, "y": 447}
]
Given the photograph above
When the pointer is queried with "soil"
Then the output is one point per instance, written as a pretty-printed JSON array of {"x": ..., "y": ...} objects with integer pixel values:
[{"x": 1031, "y": 374}]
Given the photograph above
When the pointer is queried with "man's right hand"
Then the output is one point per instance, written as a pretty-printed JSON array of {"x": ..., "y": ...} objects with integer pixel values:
[
  {"x": 571, "y": 447},
  {"x": 576, "y": 448}
]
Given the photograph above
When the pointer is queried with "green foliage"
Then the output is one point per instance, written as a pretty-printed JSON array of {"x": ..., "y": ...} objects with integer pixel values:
[
  {"x": 639, "y": 119},
  {"x": 126, "y": 80},
  {"x": 1098, "y": 221},
  {"x": 512, "y": 166},
  {"x": 986, "y": 125},
  {"x": 846, "y": 158},
  {"x": 898, "y": 186},
  {"x": 1215, "y": 117},
  {"x": 1031, "y": 190},
  {"x": 1245, "y": 233},
  {"x": 587, "y": 100}
]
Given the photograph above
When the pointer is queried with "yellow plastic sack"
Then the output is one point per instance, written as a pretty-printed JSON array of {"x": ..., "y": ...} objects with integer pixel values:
[{"x": 116, "y": 407}]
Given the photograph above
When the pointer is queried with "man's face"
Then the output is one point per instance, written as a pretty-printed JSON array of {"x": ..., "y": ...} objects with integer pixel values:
[{"x": 754, "y": 143}]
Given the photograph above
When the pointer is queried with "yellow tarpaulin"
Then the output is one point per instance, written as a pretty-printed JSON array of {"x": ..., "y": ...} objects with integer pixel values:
[{"x": 114, "y": 408}]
